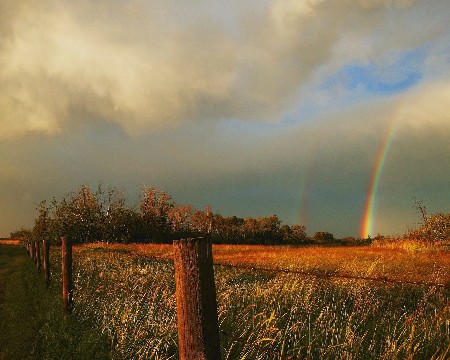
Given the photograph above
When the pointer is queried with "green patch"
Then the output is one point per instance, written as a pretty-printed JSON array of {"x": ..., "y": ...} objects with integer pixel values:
[{"x": 33, "y": 323}]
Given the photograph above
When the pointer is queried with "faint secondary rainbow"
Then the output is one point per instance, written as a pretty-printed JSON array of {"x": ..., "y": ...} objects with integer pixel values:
[
  {"x": 369, "y": 207},
  {"x": 306, "y": 191}
]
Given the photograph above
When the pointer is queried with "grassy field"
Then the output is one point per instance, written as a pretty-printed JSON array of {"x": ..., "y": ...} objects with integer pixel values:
[
  {"x": 408, "y": 262},
  {"x": 129, "y": 294},
  {"x": 271, "y": 315},
  {"x": 32, "y": 322}
]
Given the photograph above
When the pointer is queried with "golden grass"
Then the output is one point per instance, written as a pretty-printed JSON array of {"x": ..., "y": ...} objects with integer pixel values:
[
  {"x": 399, "y": 263},
  {"x": 264, "y": 315},
  {"x": 10, "y": 242}
]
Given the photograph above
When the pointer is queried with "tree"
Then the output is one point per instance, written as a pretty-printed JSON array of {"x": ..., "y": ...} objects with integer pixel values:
[
  {"x": 78, "y": 215},
  {"x": 86, "y": 216},
  {"x": 264, "y": 230},
  {"x": 294, "y": 234},
  {"x": 268, "y": 229},
  {"x": 43, "y": 226},
  {"x": 323, "y": 236},
  {"x": 227, "y": 229},
  {"x": 179, "y": 217},
  {"x": 155, "y": 206},
  {"x": 22, "y": 233},
  {"x": 250, "y": 229},
  {"x": 202, "y": 221}
]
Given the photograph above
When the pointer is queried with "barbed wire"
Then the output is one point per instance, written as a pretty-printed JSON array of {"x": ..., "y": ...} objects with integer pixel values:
[{"x": 383, "y": 279}]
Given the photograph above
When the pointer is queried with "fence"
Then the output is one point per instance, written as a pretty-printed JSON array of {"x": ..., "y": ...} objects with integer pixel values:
[
  {"x": 197, "y": 321},
  {"x": 198, "y": 327}
]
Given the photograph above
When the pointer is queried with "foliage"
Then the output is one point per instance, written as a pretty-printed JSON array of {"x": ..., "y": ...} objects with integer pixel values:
[
  {"x": 119, "y": 222},
  {"x": 435, "y": 228},
  {"x": 104, "y": 215},
  {"x": 293, "y": 234},
  {"x": 155, "y": 206},
  {"x": 323, "y": 236},
  {"x": 21, "y": 233},
  {"x": 78, "y": 216},
  {"x": 180, "y": 217}
]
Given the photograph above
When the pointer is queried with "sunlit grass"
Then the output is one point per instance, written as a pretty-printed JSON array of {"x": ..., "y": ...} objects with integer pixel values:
[
  {"x": 266, "y": 315},
  {"x": 383, "y": 260}
]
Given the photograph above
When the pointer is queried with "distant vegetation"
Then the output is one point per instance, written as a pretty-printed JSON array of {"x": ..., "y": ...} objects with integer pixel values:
[
  {"x": 87, "y": 216},
  {"x": 104, "y": 215}
]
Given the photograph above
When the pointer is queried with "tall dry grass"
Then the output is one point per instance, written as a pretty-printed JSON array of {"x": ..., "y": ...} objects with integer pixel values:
[{"x": 267, "y": 315}]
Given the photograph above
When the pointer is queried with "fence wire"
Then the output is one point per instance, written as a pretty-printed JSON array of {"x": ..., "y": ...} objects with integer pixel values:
[
  {"x": 380, "y": 279},
  {"x": 383, "y": 279}
]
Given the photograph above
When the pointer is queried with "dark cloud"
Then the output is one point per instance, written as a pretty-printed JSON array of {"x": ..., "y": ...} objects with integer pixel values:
[{"x": 149, "y": 65}]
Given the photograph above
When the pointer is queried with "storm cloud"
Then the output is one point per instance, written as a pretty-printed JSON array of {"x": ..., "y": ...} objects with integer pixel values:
[{"x": 245, "y": 106}]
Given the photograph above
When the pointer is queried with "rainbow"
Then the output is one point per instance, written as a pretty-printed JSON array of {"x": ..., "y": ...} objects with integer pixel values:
[
  {"x": 306, "y": 190},
  {"x": 369, "y": 207}
]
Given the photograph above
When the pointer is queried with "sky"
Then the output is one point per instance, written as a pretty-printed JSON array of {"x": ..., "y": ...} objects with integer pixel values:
[{"x": 330, "y": 114}]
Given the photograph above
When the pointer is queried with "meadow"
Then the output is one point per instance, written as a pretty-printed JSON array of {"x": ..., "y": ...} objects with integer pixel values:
[{"x": 316, "y": 311}]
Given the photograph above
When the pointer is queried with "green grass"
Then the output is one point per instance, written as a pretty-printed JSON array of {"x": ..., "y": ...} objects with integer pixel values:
[{"x": 33, "y": 325}]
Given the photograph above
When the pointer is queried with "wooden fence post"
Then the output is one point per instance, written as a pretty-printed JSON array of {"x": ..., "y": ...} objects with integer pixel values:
[
  {"x": 46, "y": 261},
  {"x": 38, "y": 256},
  {"x": 198, "y": 326},
  {"x": 67, "y": 290}
]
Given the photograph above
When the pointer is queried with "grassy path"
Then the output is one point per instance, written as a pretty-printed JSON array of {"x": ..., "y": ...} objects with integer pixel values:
[{"x": 32, "y": 322}]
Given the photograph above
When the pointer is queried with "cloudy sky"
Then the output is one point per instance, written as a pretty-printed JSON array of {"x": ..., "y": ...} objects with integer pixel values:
[{"x": 287, "y": 107}]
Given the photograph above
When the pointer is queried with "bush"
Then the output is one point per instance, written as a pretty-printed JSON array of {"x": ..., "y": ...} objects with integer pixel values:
[
  {"x": 435, "y": 228},
  {"x": 323, "y": 236}
]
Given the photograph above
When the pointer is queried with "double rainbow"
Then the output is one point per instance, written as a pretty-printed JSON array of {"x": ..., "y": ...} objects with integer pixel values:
[{"x": 369, "y": 207}]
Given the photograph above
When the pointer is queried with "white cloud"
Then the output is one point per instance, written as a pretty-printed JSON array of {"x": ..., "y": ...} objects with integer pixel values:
[
  {"x": 426, "y": 107},
  {"x": 146, "y": 66}
]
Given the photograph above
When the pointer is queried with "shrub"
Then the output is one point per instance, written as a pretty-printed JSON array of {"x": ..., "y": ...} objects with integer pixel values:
[
  {"x": 435, "y": 228},
  {"x": 323, "y": 236}
]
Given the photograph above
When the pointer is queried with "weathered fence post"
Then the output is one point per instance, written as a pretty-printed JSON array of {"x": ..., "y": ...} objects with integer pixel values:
[
  {"x": 46, "y": 261},
  {"x": 38, "y": 256},
  {"x": 66, "y": 257},
  {"x": 198, "y": 327}
]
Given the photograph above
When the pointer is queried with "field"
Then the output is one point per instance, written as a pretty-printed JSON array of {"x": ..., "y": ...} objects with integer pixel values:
[
  {"x": 313, "y": 309},
  {"x": 274, "y": 315},
  {"x": 9, "y": 241}
]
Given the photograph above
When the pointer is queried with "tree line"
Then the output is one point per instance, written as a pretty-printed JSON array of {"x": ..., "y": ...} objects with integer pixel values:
[{"x": 103, "y": 215}]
